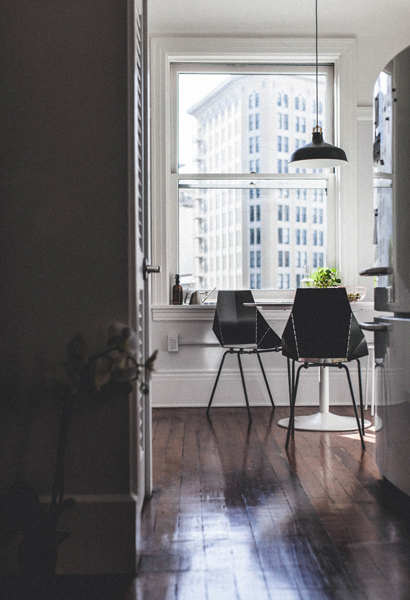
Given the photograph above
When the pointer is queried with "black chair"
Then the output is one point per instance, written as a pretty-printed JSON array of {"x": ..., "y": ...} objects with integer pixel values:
[
  {"x": 323, "y": 331},
  {"x": 242, "y": 330}
]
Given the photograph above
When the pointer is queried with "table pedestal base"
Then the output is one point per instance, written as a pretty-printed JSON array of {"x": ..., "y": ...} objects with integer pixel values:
[{"x": 325, "y": 421}]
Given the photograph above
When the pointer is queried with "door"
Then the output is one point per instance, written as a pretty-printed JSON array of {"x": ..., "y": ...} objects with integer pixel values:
[{"x": 139, "y": 228}]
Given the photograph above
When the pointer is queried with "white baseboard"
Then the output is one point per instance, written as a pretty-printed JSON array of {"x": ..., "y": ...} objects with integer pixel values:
[{"x": 189, "y": 389}]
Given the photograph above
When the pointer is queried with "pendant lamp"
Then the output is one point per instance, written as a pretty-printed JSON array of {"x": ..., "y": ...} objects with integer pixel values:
[{"x": 318, "y": 154}]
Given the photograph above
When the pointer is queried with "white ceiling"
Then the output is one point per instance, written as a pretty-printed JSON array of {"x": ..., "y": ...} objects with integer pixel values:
[{"x": 382, "y": 27}]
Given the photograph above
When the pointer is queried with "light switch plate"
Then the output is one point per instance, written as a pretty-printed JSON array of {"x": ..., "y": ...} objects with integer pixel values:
[{"x": 172, "y": 342}]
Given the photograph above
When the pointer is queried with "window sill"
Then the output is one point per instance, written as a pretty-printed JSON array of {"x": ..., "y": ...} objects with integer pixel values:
[{"x": 205, "y": 312}]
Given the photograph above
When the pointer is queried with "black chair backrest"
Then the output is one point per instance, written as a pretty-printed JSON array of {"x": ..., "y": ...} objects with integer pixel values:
[
  {"x": 322, "y": 325},
  {"x": 235, "y": 323}
]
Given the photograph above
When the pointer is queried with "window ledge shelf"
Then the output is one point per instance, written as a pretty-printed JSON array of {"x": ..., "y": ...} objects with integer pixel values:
[{"x": 205, "y": 312}]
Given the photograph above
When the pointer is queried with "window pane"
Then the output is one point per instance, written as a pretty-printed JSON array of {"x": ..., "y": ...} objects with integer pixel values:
[
  {"x": 219, "y": 114},
  {"x": 220, "y": 245}
]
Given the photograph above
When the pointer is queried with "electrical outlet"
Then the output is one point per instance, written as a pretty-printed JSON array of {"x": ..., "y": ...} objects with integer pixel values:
[{"x": 172, "y": 342}]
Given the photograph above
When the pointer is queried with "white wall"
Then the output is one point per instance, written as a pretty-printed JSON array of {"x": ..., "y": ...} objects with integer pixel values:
[{"x": 381, "y": 30}]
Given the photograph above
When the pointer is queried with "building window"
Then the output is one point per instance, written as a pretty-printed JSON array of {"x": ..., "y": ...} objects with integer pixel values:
[
  {"x": 279, "y": 102},
  {"x": 285, "y": 101},
  {"x": 286, "y": 281},
  {"x": 256, "y": 100},
  {"x": 297, "y": 214},
  {"x": 297, "y": 124},
  {"x": 297, "y": 237},
  {"x": 250, "y": 102},
  {"x": 257, "y": 165},
  {"x": 304, "y": 237},
  {"x": 250, "y": 122},
  {"x": 314, "y": 260},
  {"x": 280, "y": 258},
  {"x": 298, "y": 279},
  {"x": 320, "y": 261},
  {"x": 314, "y": 240},
  {"x": 252, "y": 237},
  {"x": 252, "y": 281},
  {"x": 321, "y": 215},
  {"x": 280, "y": 212},
  {"x": 285, "y": 121},
  {"x": 251, "y": 213},
  {"x": 297, "y": 259},
  {"x": 257, "y": 143},
  {"x": 296, "y": 103},
  {"x": 285, "y": 144},
  {"x": 258, "y": 281},
  {"x": 251, "y": 140},
  {"x": 258, "y": 258},
  {"x": 279, "y": 165},
  {"x": 258, "y": 235},
  {"x": 279, "y": 120},
  {"x": 279, "y": 143},
  {"x": 320, "y": 238},
  {"x": 286, "y": 212},
  {"x": 252, "y": 259},
  {"x": 280, "y": 281},
  {"x": 280, "y": 235},
  {"x": 258, "y": 212},
  {"x": 286, "y": 258},
  {"x": 256, "y": 120},
  {"x": 314, "y": 215},
  {"x": 303, "y": 214}
]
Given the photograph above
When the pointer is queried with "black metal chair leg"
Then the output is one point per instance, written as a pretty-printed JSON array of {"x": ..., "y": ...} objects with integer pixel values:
[
  {"x": 291, "y": 425},
  {"x": 265, "y": 378},
  {"x": 359, "y": 372},
  {"x": 293, "y": 387},
  {"x": 289, "y": 382},
  {"x": 244, "y": 386},
  {"x": 354, "y": 405},
  {"x": 216, "y": 381}
]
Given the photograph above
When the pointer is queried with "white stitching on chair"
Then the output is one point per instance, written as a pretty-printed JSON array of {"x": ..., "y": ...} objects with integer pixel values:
[
  {"x": 294, "y": 334},
  {"x": 348, "y": 337}
]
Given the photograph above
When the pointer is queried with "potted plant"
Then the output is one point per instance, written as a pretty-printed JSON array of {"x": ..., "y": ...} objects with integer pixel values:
[{"x": 324, "y": 277}]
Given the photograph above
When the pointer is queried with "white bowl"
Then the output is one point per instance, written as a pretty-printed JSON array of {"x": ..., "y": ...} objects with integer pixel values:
[{"x": 355, "y": 293}]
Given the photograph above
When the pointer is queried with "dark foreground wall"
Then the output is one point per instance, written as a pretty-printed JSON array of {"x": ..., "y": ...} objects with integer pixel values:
[{"x": 63, "y": 257}]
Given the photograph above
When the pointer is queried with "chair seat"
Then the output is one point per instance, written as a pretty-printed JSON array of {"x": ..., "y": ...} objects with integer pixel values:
[{"x": 240, "y": 346}]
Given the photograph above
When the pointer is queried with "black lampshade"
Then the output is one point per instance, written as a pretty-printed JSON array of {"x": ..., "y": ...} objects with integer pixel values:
[{"x": 319, "y": 154}]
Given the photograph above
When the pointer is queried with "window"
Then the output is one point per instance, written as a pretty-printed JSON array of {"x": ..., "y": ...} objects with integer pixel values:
[
  {"x": 279, "y": 143},
  {"x": 286, "y": 258},
  {"x": 297, "y": 124},
  {"x": 257, "y": 143},
  {"x": 315, "y": 215},
  {"x": 304, "y": 237},
  {"x": 280, "y": 258},
  {"x": 206, "y": 127},
  {"x": 303, "y": 214},
  {"x": 252, "y": 281},
  {"x": 280, "y": 212},
  {"x": 257, "y": 165},
  {"x": 256, "y": 100},
  {"x": 296, "y": 103},
  {"x": 252, "y": 259},
  {"x": 297, "y": 214},
  {"x": 256, "y": 120},
  {"x": 258, "y": 258},
  {"x": 279, "y": 120},
  {"x": 280, "y": 281},
  {"x": 297, "y": 237}
]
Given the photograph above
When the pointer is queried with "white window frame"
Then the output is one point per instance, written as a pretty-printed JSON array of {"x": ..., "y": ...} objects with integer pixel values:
[{"x": 342, "y": 186}]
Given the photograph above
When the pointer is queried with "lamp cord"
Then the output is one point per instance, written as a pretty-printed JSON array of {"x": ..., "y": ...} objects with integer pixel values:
[{"x": 317, "y": 69}]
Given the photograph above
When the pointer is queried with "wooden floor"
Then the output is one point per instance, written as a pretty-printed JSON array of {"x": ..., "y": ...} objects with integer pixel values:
[{"x": 233, "y": 516}]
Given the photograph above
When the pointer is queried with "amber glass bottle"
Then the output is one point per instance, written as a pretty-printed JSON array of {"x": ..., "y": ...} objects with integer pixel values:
[{"x": 177, "y": 292}]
